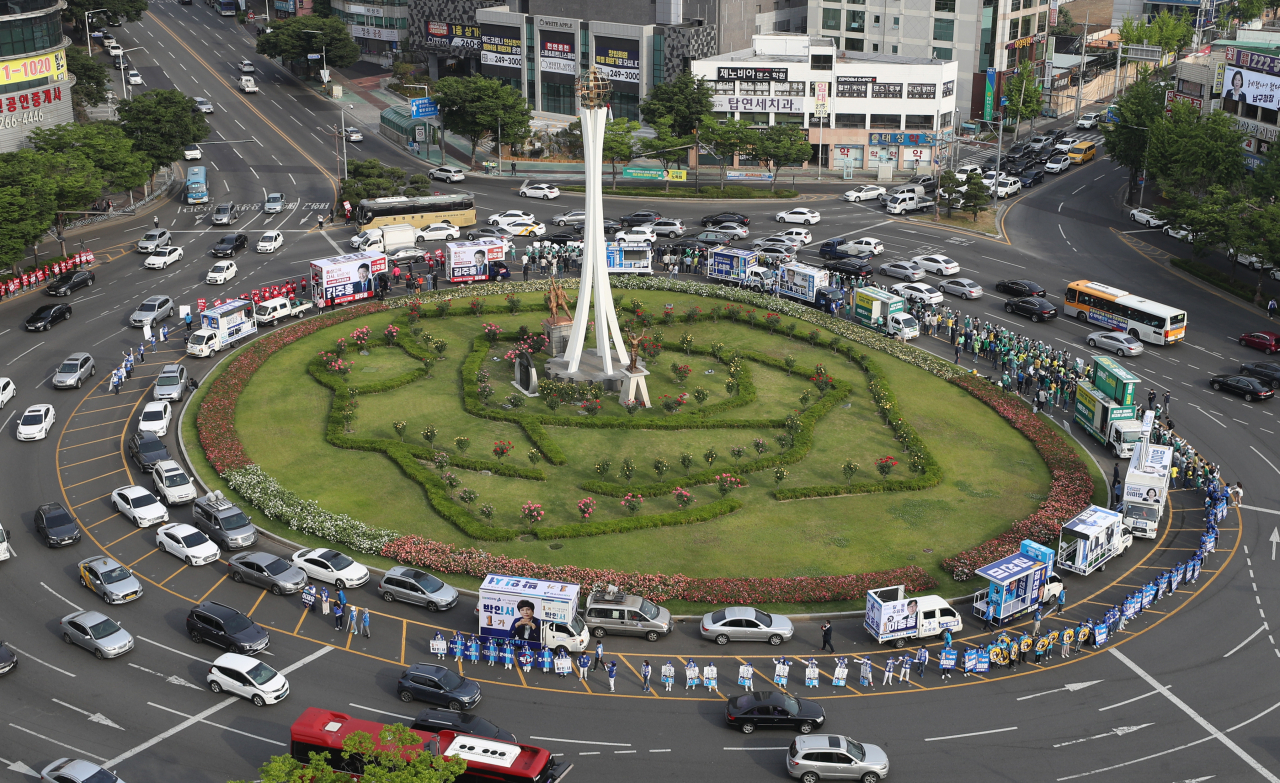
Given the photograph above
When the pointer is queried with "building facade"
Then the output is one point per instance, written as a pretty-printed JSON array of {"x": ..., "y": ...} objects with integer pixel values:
[
  {"x": 1242, "y": 78},
  {"x": 880, "y": 108},
  {"x": 35, "y": 86},
  {"x": 379, "y": 27}
]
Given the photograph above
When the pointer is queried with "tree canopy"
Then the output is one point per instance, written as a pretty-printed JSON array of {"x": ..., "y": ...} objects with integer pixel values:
[
  {"x": 1022, "y": 91},
  {"x": 724, "y": 139},
  {"x": 90, "y": 88},
  {"x": 290, "y": 41},
  {"x": 102, "y": 144},
  {"x": 664, "y": 146},
  {"x": 620, "y": 144},
  {"x": 127, "y": 10},
  {"x": 781, "y": 145},
  {"x": 393, "y": 758},
  {"x": 160, "y": 123},
  {"x": 1137, "y": 111},
  {"x": 685, "y": 100},
  {"x": 473, "y": 108}
]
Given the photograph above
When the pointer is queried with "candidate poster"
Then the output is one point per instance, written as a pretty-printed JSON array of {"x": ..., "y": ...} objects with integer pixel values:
[
  {"x": 348, "y": 278},
  {"x": 618, "y": 59},
  {"x": 798, "y": 282},
  {"x": 1251, "y": 87},
  {"x": 469, "y": 261},
  {"x": 512, "y": 616},
  {"x": 899, "y": 616}
]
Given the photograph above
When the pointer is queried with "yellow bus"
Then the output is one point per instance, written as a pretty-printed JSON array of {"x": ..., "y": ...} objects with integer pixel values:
[
  {"x": 458, "y": 209},
  {"x": 1121, "y": 311}
]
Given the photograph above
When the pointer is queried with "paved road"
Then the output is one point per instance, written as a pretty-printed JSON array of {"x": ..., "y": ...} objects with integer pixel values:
[{"x": 1165, "y": 704}]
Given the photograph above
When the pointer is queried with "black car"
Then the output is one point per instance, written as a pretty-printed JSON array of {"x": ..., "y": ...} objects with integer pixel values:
[
  {"x": 773, "y": 710},
  {"x": 1032, "y": 178},
  {"x": 1045, "y": 154},
  {"x": 432, "y": 719},
  {"x": 1060, "y": 134},
  {"x": 991, "y": 162},
  {"x": 849, "y": 266},
  {"x": 640, "y": 218},
  {"x": 1017, "y": 151},
  {"x": 222, "y": 626},
  {"x": 437, "y": 685},
  {"x": 1019, "y": 288},
  {"x": 230, "y": 244},
  {"x": 725, "y": 217},
  {"x": 1242, "y": 385},
  {"x": 561, "y": 237},
  {"x": 46, "y": 316},
  {"x": 147, "y": 449},
  {"x": 9, "y": 659},
  {"x": 56, "y": 525},
  {"x": 1034, "y": 307},
  {"x": 488, "y": 232},
  {"x": 1267, "y": 372},
  {"x": 65, "y": 283},
  {"x": 1018, "y": 165}
]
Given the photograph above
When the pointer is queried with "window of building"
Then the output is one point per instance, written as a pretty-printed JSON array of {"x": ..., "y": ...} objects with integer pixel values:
[
  {"x": 1013, "y": 29},
  {"x": 1190, "y": 88},
  {"x": 723, "y": 88},
  {"x": 659, "y": 61},
  {"x": 1249, "y": 111},
  {"x": 557, "y": 98},
  {"x": 853, "y": 44},
  {"x": 944, "y": 6},
  {"x": 855, "y": 21},
  {"x": 813, "y": 89},
  {"x": 875, "y": 47},
  {"x": 814, "y": 123},
  {"x": 941, "y": 54},
  {"x": 896, "y": 22},
  {"x": 1015, "y": 6},
  {"x": 831, "y": 19},
  {"x": 804, "y": 25},
  {"x": 789, "y": 88},
  {"x": 821, "y": 62},
  {"x": 858, "y": 121},
  {"x": 782, "y": 26},
  {"x": 625, "y": 104},
  {"x": 758, "y": 118},
  {"x": 944, "y": 121},
  {"x": 1268, "y": 116},
  {"x": 895, "y": 49},
  {"x": 788, "y": 119},
  {"x": 944, "y": 29},
  {"x": 1042, "y": 21},
  {"x": 922, "y": 122},
  {"x": 753, "y": 88},
  {"x": 857, "y": 2},
  {"x": 1026, "y": 26},
  {"x": 886, "y": 122}
]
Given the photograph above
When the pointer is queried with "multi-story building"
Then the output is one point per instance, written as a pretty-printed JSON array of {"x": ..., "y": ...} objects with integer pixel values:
[
  {"x": 1242, "y": 78},
  {"x": 35, "y": 86},
  {"x": 782, "y": 16},
  {"x": 882, "y": 108},
  {"x": 540, "y": 47},
  {"x": 379, "y": 27},
  {"x": 977, "y": 34}
]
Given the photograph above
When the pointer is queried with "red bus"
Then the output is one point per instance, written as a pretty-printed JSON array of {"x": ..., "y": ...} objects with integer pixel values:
[{"x": 323, "y": 731}]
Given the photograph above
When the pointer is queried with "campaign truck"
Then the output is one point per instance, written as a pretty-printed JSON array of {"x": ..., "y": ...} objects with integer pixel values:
[
  {"x": 537, "y": 611},
  {"x": 1113, "y": 424},
  {"x": 741, "y": 267},
  {"x": 1112, "y": 379},
  {"x": 1091, "y": 539},
  {"x": 1146, "y": 487},
  {"x": 892, "y": 618},
  {"x": 222, "y": 327},
  {"x": 467, "y": 262},
  {"x": 884, "y": 312},
  {"x": 629, "y": 257},
  {"x": 345, "y": 279},
  {"x": 1017, "y": 584},
  {"x": 807, "y": 284}
]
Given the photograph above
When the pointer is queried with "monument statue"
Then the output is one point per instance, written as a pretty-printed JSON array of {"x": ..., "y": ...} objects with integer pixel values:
[
  {"x": 634, "y": 340},
  {"x": 559, "y": 301}
]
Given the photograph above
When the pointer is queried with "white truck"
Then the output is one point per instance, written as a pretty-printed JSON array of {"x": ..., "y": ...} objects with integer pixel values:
[
  {"x": 1108, "y": 421},
  {"x": 802, "y": 282},
  {"x": 222, "y": 327},
  {"x": 742, "y": 267},
  {"x": 884, "y": 312},
  {"x": 247, "y": 84},
  {"x": 1091, "y": 539},
  {"x": 908, "y": 202},
  {"x": 537, "y": 611},
  {"x": 392, "y": 239},
  {"x": 892, "y": 618},
  {"x": 1146, "y": 487}
]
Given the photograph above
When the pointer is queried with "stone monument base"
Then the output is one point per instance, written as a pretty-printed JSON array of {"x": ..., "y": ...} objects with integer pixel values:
[
  {"x": 557, "y": 333},
  {"x": 635, "y": 388},
  {"x": 591, "y": 370}
]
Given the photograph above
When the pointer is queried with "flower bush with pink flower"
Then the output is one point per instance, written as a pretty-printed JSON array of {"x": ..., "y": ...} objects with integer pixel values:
[{"x": 586, "y": 506}]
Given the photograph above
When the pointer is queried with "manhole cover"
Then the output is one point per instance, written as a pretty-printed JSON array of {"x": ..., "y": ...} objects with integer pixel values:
[{"x": 556, "y": 545}]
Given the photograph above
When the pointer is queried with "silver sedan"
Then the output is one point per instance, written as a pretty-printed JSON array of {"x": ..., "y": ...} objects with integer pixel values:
[
  {"x": 266, "y": 570},
  {"x": 97, "y": 633},
  {"x": 736, "y": 230},
  {"x": 1118, "y": 343},
  {"x": 745, "y": 624},
  {"x": 962, "y": 287}
]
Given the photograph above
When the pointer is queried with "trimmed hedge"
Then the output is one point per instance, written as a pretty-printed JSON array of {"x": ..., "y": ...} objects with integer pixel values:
[{"x": 627, "y": 524}]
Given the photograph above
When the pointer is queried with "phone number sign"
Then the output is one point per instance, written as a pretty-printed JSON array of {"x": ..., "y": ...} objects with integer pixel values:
[{"x": 52, "y": 66}]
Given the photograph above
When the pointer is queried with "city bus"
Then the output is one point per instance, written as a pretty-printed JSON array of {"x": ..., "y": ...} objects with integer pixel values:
[
  {"x": 1121, "y": 311},
  {"x": 224, "y": 7},
  {"x": 197, "y": 185},
  {"x": 458, "y": 209},
  {"x": 323, "y": 731}
]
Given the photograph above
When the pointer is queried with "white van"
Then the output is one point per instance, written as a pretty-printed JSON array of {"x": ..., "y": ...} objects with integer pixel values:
[
  {"x": 272, "y": 311},
  {"x": 360, "y": 240}
]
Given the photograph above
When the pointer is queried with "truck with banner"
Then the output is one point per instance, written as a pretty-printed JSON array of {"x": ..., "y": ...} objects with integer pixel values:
[
  {"x": 733, "y": 265},
  {"x": 808, "y": 284},
  {"x": 1146, "y": 487},
  {"x": 1113, "y": 424},
  {"x": 346, "y": 279},
  {"x": 885, "y": 312},
  {"x": 538, "y": 612},
  {"x": 629, "y": 257},
  {"x": 1091, "y": 539},
  {"x": 469, "y": 262},
  {"x": 222, "y": 326},
  {"x": 1017, "y": 584},
  {"x": 1112, "y": 379},
  {"x": 893, "y": 618}
]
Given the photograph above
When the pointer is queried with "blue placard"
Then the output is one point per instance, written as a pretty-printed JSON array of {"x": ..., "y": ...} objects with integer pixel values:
[
  {"x": 1100, "y": 632},
  {"x": 984, "y": 661},
  {"x": 423, "y": 107},
  {"x": 947, "y": 659},
  {"x": 1009, "y": 568}
]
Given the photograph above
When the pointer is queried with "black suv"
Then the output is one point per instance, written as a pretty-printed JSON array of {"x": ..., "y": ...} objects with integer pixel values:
[
  {"x": 1019, "y": 288},
  {"x": 640, "y": 218},
  {"x": 1034, "y": 307},
  {"x": 56, "y": 525},
  {"x": 437, "y": 685},
  {"x": 1268, "y": 372},
  {"x": 222, "y": 626},
  {"x": 725, "y": 217},
  {"x": 147, "y": 449},
  {"x": 849, "y": 266},
  {"x": 773, "y": 710},
  {"x": 437, "y": 720}
]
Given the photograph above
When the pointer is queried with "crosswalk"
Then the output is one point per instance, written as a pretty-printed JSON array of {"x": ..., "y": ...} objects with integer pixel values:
[{"x": 980, "y": 154}]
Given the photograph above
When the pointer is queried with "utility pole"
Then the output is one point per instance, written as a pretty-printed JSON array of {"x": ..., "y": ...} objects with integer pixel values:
[{"x": 1084, "y": 33}]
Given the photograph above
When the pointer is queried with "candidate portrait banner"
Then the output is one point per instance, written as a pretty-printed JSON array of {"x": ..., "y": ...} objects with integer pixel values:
[
  {"x": 970, "y": 659},
  {"x": 744, "y": 675},
  {"x": 841, "y": 674},
  {"x": 811, "y": 677},
  {"x": 1251, "y": 87}
]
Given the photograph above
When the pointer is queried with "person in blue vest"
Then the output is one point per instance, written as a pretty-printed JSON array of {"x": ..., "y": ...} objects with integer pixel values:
[
  {"x": 491, "y": 651},
  {"x": 562, "y": 670},
  {"x": 646, "y": 671},
  {"x": 508, "y": 655},
  {"x": 473, "y": 650},
  {"x": 611, "y": 670},
  {"x": 922, "y": 660},
  {"x": 439, "y": 637},
  {"x": 584, "y": 666},
  {"x": 544, "y": 660},
  {"x": 458, "y": 645},
  {"x": 525, "y": 657}
]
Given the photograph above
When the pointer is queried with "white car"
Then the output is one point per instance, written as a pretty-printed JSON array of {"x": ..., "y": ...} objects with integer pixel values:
[
  {"x": 963, "y": 172},
  {"x": 163, "y": 257},
  {"x": 172, "y": 483},
  {"x": 781, "y": 254},
  {"x": 1057, "y": 164},
  {"x": 445, "y": 231},
  {"x": 905, "y": 270},
  {"x": 798, "y": 215},
  {"x": 526, "y": 228},
  {"x": 192, "y": 152},
  {"x": 274, "y": 203},
  {"x": 134, "y": 77},
  {"x": 778, "y": 240},
  {"x": 247, "y": 677},
  {"x": 1146, "y": 217},
  {"x": 1008, "y": 187},
  {"x": 510, "y": 216},
  {"x": 139, "y": 506},
  {"x": 1180, "y": 233},
  {"x": 368, "y": 233},
  {"x": 222, "y": 272},
  {"x": 870, "y": 244},
  {"x": 269, "y": 242},
  {"x": 447, "y": 173},
  {"x": 541, "y": 191},
  {"x": 1066, "y": 144},
  {"x": 8, "y": 390},
  {"x": 353, "y": 134},
  {"x": 863, "y": 193},
  {"x": 155, "y": 418},
  {"x": 154, "y": 239},
  {"x": 939, "y": 265},
  {"x": 204, "y": 105},
  {"x": 115, "y": 50},
  {"x": 802, "y": 234},
  {"x": 735, "y": 230},
  {"x": 186, "y": 543},
  {"x": 331, "y": 566},
  {"x": 36, "y": 422},
  {"x": 636, "y": 234},
  {"x": 1089, "y": 120},
  {"x": 962, "y": 287},
  {"x": 918, "y": 292}
]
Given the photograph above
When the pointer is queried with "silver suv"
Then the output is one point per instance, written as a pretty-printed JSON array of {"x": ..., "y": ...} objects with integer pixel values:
[
  {"x": 171, "y": 384},
  {"x": 225, "y": 214},
  {"x": 74, "y": 371},
  {"x": 833, "y": 757},
  {"x": 223, "y": 522},
  {"x": 412, "y": 586},
  {"x": 612, "y": 611},
  {"x": 152, "y": 310}
]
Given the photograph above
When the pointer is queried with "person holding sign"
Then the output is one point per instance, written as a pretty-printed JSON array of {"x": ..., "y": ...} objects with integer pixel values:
[
  {"x": 922, "y": 660},
  {"x": 526, "y": 658},
  {"x": 491, "y": 651},
  {"x": 711, "y": 677},
  {"x": 781, "y": 671},
  {"x": 544, "y": 658},
  {"x": 946, "y": 662},
  {"x": 888, "y": 671},
  {"x": 746, "y": 676},
  {"x": 904, "y": 669},
  {"x": 668, "y": 674},
  {"x": 690, "y": 675},
  {"x": 439, "y": 646},
  {"x": 865, "y": 675},
  {"x": 841, "y": 673},
  {"x": 811, "y": 676},
  {"x": 1068, "y": 636},
  {"x": 970, "y": 660},
  {"x": 584, "y": 666},
  {"x": 563, "y": 663},
  {"x": 508, "y": 655}
]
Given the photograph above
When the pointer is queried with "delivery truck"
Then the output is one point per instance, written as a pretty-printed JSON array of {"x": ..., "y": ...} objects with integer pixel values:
[
  {"x": 741, "y": 267},
  {"x": 884, "y": 312},
  {"x": 908, "y": 202},
  {"x": 538, "y": 612},
  {"x": 1089, "y": 541},
  {"x": 1146, "y": 487},
  {"x": 1113, "y": 424},
  {"x": 392, "y": 239},
  {"x": 222, "y": 326},
  {"x": 892, "y": 618}
]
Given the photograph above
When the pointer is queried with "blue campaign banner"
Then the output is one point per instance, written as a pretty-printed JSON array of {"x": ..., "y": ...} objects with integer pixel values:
[
  {"x": 1099, "y": 634},
  {"x": 1130, "y": 608},
  {"x": 1195, "y": 574},
  {"x": 984, "y": 661},
  {"x": 947, "y": 659},
  {"x": 423, "y": 107},
  {"x": 970, "y": 659},
  {"x": 1148, "y": 595},
  {"x": 1176, "y": 579}
]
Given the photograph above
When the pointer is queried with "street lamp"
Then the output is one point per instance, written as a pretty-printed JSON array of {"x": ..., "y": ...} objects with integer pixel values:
[
  {"x": 342, "y": 118},
  {"x": 324, "y": 58},
  {"x": 124, "y": 79},
  {"x": 88, "y": 42}
]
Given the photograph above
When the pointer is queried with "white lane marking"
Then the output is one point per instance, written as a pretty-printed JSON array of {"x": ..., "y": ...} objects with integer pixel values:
[
  {"x": 19, "y": 767},
  {"x": 660, "y": 750},
  {"x": 1204, "y": 724},
  {"x": 96, "y": 717},
  {"x": 782, "y": 748},
  {"x": 624, "y": 751},
  {"x": 1220, "y": 424},
  {"x": 1117, "y": 732},
  {"x": 1071, "y": 686},
  {"x": 55, "y": 592},
  {"x": 37, "y": 660},
  {"x": 583, "y": 742},
  {"x": 1259, "y": 508},
  {"x": 589, "y": 753},
  {"x": 308, "y": 659},
  {"x": 409, "y": 718},
  {"x": 970, "y": 734},
  {"x": 60, "y": 744},
  {"x": 1134, "y": 761},
  {"x": 1128, "y": 701},
  {"x": 1264, "y": 459},
  {"x": 172, "y": 650},
  {"x": 1060, "y": 231},
  {"x": 172, "y": 679},
  {"x": 219, "y": 725},
  {"x": 24, "y": 353}
]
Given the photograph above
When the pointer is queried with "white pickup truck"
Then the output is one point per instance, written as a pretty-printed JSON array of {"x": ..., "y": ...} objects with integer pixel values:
[{"x": 247, "y": 84}]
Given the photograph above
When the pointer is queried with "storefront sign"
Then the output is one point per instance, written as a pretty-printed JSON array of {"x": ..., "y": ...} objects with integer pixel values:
[
  {"x": 886, "y": 90},
  {"x": 1171, "y": 97},
  {"x": 948, "y": 89},
  {"x": 501, "y": 46},
  {"x": 1219, "y": 78},
  {"x": 367, "y": 10},
  {"x": 903, "y": 139},
  {"x": 1053, "y": 13},
  {"x": 618, "y": 59},
  {"x": 460, "y": 36},
  {"x": 41, "y": 107},
  {"x": 853, "y": 86},
  {"x": 552, "y": 23},
  {"x": 52, "y": 66},
  {"x": 751, "y": 74},
  {"x": 882, "y": 154},
  {"x": 925, "y": 91},
  {"x": 1263, "y": 63},
  {"x": 557, "y": 57},
  {"x": 850, "y": 152},
  {"x": 378, "y": 33},
  {"x": 1264, "y": 132},
  {"x": 762, "y": 103},
  {"x": 1023, "y": 43}
]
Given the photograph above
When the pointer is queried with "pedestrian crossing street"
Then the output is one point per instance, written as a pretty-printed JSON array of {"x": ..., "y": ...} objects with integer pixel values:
[{"x": 981, "y": 154}]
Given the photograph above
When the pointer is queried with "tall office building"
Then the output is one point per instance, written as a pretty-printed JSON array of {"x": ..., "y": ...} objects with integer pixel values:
[{"x": 35, "y": 86}]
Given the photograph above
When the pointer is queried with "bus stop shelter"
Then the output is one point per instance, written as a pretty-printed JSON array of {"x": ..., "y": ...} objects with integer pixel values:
[{"x": 414, "y": 134}]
